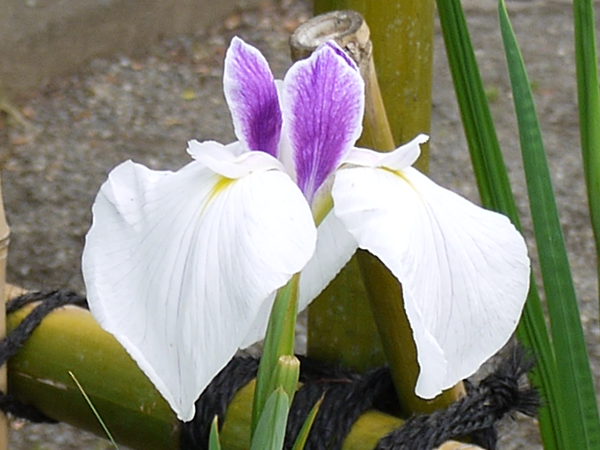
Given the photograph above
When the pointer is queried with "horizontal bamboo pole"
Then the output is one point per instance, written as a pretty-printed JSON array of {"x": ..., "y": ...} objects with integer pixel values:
[
  {"x": 69, "y": 339},
  {"x": 4, "y": 240}
]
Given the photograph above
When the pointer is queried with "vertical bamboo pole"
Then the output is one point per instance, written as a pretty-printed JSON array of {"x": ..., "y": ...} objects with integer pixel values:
[
  {"x": 4, "y": 239},
  {"x": 341, "y": 326},
  {"x": 402, "y": 36},
  {"x": 408, "y": 73}
]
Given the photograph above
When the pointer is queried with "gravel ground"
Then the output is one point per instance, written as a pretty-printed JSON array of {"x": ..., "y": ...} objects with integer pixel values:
[{"x": 147, "y": 106}]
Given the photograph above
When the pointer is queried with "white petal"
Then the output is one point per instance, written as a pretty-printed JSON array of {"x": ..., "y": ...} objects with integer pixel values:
[
  {"x": 177, "y": 266},
  {"x": 335, "y": 247},
  {"x": 401, "y": 158},
  {"x": 229, "y": 160},
  {"x": 464, "y": 270}
]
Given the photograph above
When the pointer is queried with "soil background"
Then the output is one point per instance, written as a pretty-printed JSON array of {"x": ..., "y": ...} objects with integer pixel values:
[{"x": 147, "y": 106}]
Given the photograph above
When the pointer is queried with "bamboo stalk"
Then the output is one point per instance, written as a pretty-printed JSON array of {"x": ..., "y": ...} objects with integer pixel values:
[
  {"x": 383, "y": 291},
  {"x": 341, "y": 326},
  {"x": 4, "y": 241},
  {"x": 69, "y": 339},
  {"x": 135, "y": 414}
]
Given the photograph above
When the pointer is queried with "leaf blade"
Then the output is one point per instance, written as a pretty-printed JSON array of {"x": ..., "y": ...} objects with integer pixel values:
[{"x": 575, "y": 377}]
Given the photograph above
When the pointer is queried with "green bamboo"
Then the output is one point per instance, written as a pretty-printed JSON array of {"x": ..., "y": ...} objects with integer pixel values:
[
  {"x": 411, "y": 115},
  {"x": 70, "y": 340}
]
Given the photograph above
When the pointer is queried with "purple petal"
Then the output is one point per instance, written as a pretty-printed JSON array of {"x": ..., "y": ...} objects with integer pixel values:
[
  {"x": 323, "y": 105},
  {"x": 252, "y": 97}
]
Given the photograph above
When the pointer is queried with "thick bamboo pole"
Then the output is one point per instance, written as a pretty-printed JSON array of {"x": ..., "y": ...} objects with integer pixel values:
[
  {"x": 346, "y": 296},
  {"x": 4, "y": 240},
  {"x": 341, "y": 326},
  {"x": 70, "y": 340}
]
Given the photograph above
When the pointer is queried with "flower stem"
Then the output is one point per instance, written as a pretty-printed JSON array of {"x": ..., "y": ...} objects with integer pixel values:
[{"x": 279, "y": 341}]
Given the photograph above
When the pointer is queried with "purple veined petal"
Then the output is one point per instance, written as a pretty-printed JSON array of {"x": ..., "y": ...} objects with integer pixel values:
[
  {"x": 323, "y": 103},
  {"x": 252, "y": 97}
]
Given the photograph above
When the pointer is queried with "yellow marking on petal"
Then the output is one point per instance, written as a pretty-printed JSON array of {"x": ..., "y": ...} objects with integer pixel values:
[
  {"x": 222, "y": 184},
  {"x": 400, "y": 174}
]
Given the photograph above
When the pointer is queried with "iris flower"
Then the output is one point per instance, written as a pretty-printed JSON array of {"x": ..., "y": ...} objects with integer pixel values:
[{"x": 182, "y": 267}]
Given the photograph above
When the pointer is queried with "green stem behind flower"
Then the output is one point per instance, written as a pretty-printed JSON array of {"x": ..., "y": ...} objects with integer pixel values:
[
  {"x": 589, "y": 106},
  {"x": 279, "y": 341}
]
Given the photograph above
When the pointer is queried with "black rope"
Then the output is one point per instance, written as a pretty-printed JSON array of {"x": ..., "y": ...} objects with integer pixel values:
[
  {"x": 476, "y": 414},
  {"x": 345, "y": 396}
]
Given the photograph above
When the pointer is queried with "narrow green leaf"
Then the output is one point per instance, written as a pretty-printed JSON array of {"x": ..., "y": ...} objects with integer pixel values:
[
  {"x": 270, "y": 429},
  {"x": 94, "y": 410},
  {"x": 306, "y": 426},
  {"x": 575, "y": 376},
  {"x": 279, "y": 341},
  {"x": 589, "y": 106},
  {"x": 214, "y": 442},
  {"x": 495, "y": 192}
]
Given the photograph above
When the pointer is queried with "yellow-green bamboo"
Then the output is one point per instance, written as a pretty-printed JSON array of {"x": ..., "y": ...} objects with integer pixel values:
[
  {"x": 341, "y": 327},
  {"x": 69, "y": 339},
  {"x": 385, "y": 294},
  {"x": 4, "y": 239}
]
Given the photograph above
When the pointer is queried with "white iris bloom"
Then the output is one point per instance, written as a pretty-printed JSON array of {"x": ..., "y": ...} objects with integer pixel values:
[{"x": 182, "y": 267}]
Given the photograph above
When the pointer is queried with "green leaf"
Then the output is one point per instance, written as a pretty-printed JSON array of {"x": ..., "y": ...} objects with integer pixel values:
[
  {"x": 495, "y": 192},
  {"x": 286, "y": 375},
  {"x": 589, "y": 106},
  {"x": 306, "y": 426},
  {"x": 214, "y": 442},
  {"x": 575, "y": 377},
  {"x": 270, "y": 429},
  {"x": 94, "y": 410},
  {"x": 279, "y": 341}
]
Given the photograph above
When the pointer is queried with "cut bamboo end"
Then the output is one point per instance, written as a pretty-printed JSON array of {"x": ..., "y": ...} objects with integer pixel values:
[
  {"x": 347, "y": 28},
  {"x": 350, "y": 30}
]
